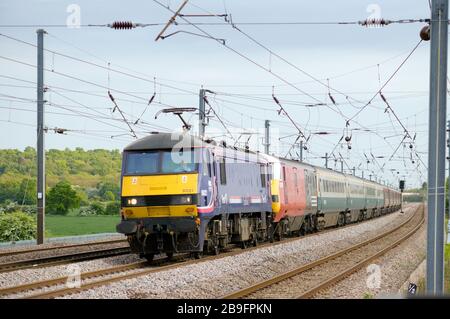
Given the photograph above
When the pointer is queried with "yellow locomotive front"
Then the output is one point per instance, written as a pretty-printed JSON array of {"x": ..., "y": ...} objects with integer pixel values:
[{"x": 159, "y": 196}]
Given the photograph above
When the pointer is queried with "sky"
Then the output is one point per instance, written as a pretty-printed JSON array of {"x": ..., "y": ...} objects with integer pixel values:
[{"x": 349, "y": 61}]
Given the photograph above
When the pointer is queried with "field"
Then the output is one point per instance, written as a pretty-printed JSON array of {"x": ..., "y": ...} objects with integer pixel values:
[{"x": 58, "y": 226}]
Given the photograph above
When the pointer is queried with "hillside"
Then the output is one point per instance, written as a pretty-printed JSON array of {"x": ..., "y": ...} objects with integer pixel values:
[{"x": 92, "y": 173}]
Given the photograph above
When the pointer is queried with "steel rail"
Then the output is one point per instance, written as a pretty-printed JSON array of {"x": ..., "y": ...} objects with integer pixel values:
[
  {"x": 62, "y": 259},
  {"x": 335, "y": 279},
  {"x": 102, "y": 282},
  {"x": 289, "y": 274},
  {"x": 61, "y": 280},
  {"x": 25, "y": 251}
]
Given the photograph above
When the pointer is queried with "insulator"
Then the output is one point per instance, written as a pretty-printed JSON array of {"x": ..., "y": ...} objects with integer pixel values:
[
  {"x": 348, "y": 138},
  {"x": 410, "y": 146},
  {"x": 151, "y": 99},
  {"x": 425, "y": 33},
  {"x": 275, "y": 99},
  {"x": 374, "y": 22},
  {"x": 121, "y": 25},
  {"x": 332, "y": 99},
  {"x": 349, "y": 147}
]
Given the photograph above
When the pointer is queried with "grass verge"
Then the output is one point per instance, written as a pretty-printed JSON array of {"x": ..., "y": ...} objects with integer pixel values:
[{"x": 59, "y": 226}]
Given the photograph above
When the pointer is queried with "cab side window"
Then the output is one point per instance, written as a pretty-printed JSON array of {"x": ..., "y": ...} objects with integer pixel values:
[{"x": 223, "y": 172}]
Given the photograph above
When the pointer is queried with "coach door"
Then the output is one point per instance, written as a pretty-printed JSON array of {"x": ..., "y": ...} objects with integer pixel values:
[
  {"x": 308, "y": 189},
  {"x": 285, "y": 186}
]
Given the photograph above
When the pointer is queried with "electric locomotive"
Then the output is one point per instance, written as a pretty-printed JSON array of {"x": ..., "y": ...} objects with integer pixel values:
[{"x": 182, "y": 194}]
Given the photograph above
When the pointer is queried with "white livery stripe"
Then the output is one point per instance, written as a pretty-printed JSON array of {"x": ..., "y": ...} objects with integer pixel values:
[{"x": 235, "y": 200}]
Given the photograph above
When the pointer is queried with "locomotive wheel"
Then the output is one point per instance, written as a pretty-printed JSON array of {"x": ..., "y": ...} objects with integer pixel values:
[
  {"x": 341, "y": 220},
  {"x": 149, "y": 257},
  {"x": 169, "y": 255},
  {"x": 243, "y": 244},
  {"x": 198, "y": 255},
  {"x": 216, "y": 250}
]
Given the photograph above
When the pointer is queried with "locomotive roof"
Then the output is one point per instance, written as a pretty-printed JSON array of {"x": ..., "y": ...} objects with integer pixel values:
[
  {"x": 165, "y": 141},
  {"x": 158, "y": 140}
]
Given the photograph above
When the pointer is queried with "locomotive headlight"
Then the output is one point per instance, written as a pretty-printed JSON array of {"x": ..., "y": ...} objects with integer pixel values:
[
  {"x": 132, "y": 201},
  {"x": 185, "y": 200}
]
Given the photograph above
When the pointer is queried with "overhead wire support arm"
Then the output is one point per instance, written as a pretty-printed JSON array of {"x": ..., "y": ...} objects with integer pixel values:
[
  {"x": 217, "y": 116},
  {"x": 172, "y": 20},
  {"x": 191, "y": 33},
  {"x": 288, "y": 116},
  {"x": 121, "y": 113}
]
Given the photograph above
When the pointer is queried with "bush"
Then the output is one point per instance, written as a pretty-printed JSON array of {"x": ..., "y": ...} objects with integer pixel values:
[
  {"x": 17, "y": 226},
  {"x": 113, "y": 208},
  {"x": 97, "y": 208},
  {"x": 9, "y": 207},
  {"x": 61, "y": 198},
  {"x": 86, "y": 211}
]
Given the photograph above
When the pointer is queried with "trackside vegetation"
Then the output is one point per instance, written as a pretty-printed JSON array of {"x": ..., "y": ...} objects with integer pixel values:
[{"x": 82, "y": 195}]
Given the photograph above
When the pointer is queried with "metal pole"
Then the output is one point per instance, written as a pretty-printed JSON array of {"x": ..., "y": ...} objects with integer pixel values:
[
  {"x": 448, "y": 158},
  {"x": 362, "y": 174},
  {"x": 342, "y": 166},
  {"x": 40, "y": 139},
  {"x": 201, "y": 114},
  {"x": 436, "y": 142},
  {"x": 267, "y": 137},
  {"x": 326, "y": 160},
  {"x": 354, "y": 171},
  {"x": 301, "y": 151}
]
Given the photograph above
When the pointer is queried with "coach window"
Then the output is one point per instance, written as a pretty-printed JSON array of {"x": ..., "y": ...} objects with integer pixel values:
[
  {"x": 263, "y": 174},
  {"x": 206, "y": 163},
  {"x": 223, "y": 173}
]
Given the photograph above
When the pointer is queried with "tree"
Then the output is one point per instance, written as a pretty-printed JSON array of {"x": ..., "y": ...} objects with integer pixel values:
[
  {"x": 61, "y": 198},
  {"x": 27, "y": 192},
  {"x": 106, "y": 189},
  {"x": 113, "y": 208}
]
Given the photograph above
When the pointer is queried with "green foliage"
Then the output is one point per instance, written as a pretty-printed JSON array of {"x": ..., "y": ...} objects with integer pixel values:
[
  {"x": 368, "y": 295},
  {"x": 113, "y": 208},
  {"x": 17, "y": 226},
  {"x": 86, "y": 211},
  {"x": 108, "y": 191},
  {"x": 27, "y": 189},
  {"x": 9, "y": 188},
  {"x": 92, "y": 174},
  {"x": 8, "y": 207},
  {"x": 61, "y": 198},
  {"x": 97, "y": 208}
]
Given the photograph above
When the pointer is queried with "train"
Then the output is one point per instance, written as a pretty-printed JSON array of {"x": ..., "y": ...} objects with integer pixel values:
[{"x": 185, "y": 194}]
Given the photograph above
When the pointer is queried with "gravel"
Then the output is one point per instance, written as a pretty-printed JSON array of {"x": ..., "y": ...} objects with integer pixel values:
[
  {"x": 215, "y": 278},
  {"x": 395, "y": 268},
  {"x": 59, "y": 251},
  {"x": 20, "y": 277},
  {"x": 58, "y": 242}
]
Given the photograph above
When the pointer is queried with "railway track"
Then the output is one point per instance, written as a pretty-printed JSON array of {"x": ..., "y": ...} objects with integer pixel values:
[
  {"x": 122, "y": 272},
  {"x": 309, "y": 279},
  {"x": 33, "y": 250},
  {"x": 62, "y": 259}
]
